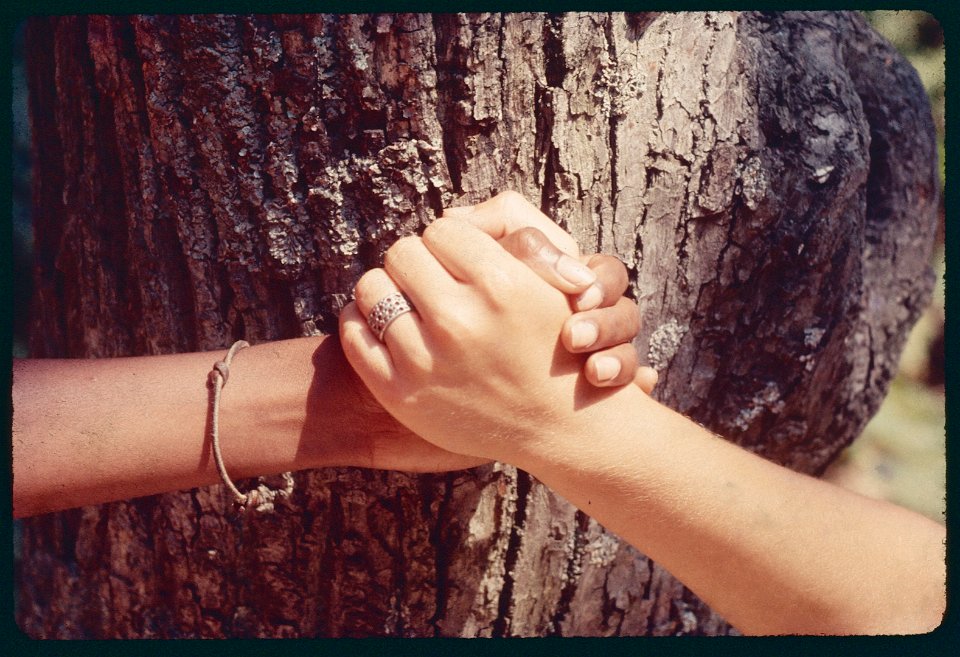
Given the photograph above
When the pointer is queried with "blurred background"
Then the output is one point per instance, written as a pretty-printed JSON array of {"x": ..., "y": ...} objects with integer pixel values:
[{"x": 900, "y": 455}]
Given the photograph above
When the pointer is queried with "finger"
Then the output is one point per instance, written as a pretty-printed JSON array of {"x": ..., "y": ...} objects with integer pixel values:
[
  {"x": 612, "y": 281},
  {"x": 469, "y": 254},
  {"x": 458, "y": 211},
  {"x": 646, "y": 379},
  {"x": 508, "y": 212},
  {"x": 404, "y": 334},
  {"x": 601, "y": 328},
  {"x": 369, "y": 357},
  {"x": 612, "y": 367},
  {"x": 532, "y": 247},
  {"x": 420, "y": 276}
]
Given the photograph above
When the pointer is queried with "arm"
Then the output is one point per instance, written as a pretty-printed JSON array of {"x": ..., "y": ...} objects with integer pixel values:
[
  {"x": 95, "y": 430},
  {"x": 774, "y": 551},
  {"x": 478, "y": 369}
]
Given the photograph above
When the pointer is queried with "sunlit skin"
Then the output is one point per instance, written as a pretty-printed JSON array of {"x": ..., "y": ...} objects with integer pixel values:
[
  {"x": 479, "y": 370},
  {"x": 87, "y": 431}
]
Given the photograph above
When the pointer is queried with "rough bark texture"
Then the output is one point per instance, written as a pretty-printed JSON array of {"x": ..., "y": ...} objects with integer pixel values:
[{"x": 769, "y": 179}]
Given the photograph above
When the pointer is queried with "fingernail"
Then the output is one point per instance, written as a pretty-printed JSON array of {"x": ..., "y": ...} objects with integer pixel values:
[
  {"x": 589, "y": 298},
  {"x": 606, "y": 367},
  {"x": 583, "y": 334},
  {"x": 575, "y": 272}
]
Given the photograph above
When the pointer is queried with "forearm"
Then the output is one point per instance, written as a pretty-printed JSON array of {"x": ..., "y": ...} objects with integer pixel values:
[
  {"x": 477, "y": 368},
  {"x": 90, "y": 431},
  {"x": 771, "y": 550}
]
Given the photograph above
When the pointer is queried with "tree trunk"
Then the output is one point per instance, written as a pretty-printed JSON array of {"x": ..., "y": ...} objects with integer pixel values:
[{"x": 769, "y": 180}]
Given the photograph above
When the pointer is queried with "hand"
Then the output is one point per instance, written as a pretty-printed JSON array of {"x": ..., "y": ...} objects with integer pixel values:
[
  {"x": 372, "y": 438},
  {"x": 478, "y": 367},
  {"x": 596, "y": 284},
  {"x": 606, "y": 321},
  {"x": 386, "y": 444}
]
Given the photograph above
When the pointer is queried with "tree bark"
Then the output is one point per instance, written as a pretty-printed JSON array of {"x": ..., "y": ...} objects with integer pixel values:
[{"x": 769, "y": 179}]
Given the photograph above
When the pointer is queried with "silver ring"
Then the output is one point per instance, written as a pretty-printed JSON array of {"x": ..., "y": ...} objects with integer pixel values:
[{"x": 385, "y": 311}]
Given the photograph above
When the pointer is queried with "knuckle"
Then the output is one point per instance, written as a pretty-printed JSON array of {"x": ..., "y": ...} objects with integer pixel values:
[
  {"x": 510, "y": 200},
  {"x": 349, "y": 340},
  {"x": 457, "y": 327},
  {"x": 439, "y": 227},
  {"x": 618, "y": 323},
  {"x": 368, "y": 284},
  {"x": 399, "y": 250},
  {"x": 500, "y": 285},
  {"x": 628, "y": 357},
  {"x": 509, "y": 196}
]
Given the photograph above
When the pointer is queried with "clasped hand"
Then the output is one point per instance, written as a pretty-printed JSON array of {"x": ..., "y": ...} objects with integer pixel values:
[{"x": 491, "y": 354}]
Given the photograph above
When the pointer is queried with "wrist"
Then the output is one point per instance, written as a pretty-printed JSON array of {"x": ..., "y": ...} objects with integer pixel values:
[
  {"x": 290, "y": 405},
  {"x": 344, "y": 424},
  {"x": 595, "y": 436}
]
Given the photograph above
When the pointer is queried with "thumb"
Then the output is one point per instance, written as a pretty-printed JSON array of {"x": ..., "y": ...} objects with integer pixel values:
[
  {"x": 508, "y": 212},
  {"x": 564, "y": 272}
]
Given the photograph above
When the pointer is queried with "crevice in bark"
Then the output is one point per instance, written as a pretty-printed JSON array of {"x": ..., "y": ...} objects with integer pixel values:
[
  {"x": 611, "y": 612},
  {"x": 226, "y": 300},
  {"x": 613, "y": 121},
  {"x": 555, "y": 72},
  {"x": 157, "y": 258},
  {"x": 288, "y": 321},
  {"x": 648, "y": 593},
  {"x": 548, "y": 191},
  {"x": 399, "y": 568},
  {"x": 504, "y": 64},
  {"x": 99, "y": 622},
  {"x": 572, "y": 572},
  {"x": 555, "y": 65},
  {"x": 434, "y": 199},
  {"x": 442, "y": 557},
  {"x": 501, "y": 626},
  {"x": 544, "y": 148},
  {"x": 638, "y": 22},
  {"x": 128, "y": 51},
  {"x": 330, "y": 625},
  {"x": 449, "y": 91}
]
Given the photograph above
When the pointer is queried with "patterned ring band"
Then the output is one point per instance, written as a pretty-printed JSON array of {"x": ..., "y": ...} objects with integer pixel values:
[{"x": 385, "y": 311}]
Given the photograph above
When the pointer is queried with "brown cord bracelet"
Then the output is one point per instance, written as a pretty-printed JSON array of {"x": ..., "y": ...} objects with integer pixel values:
[{"x": 262, "y": 497}]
